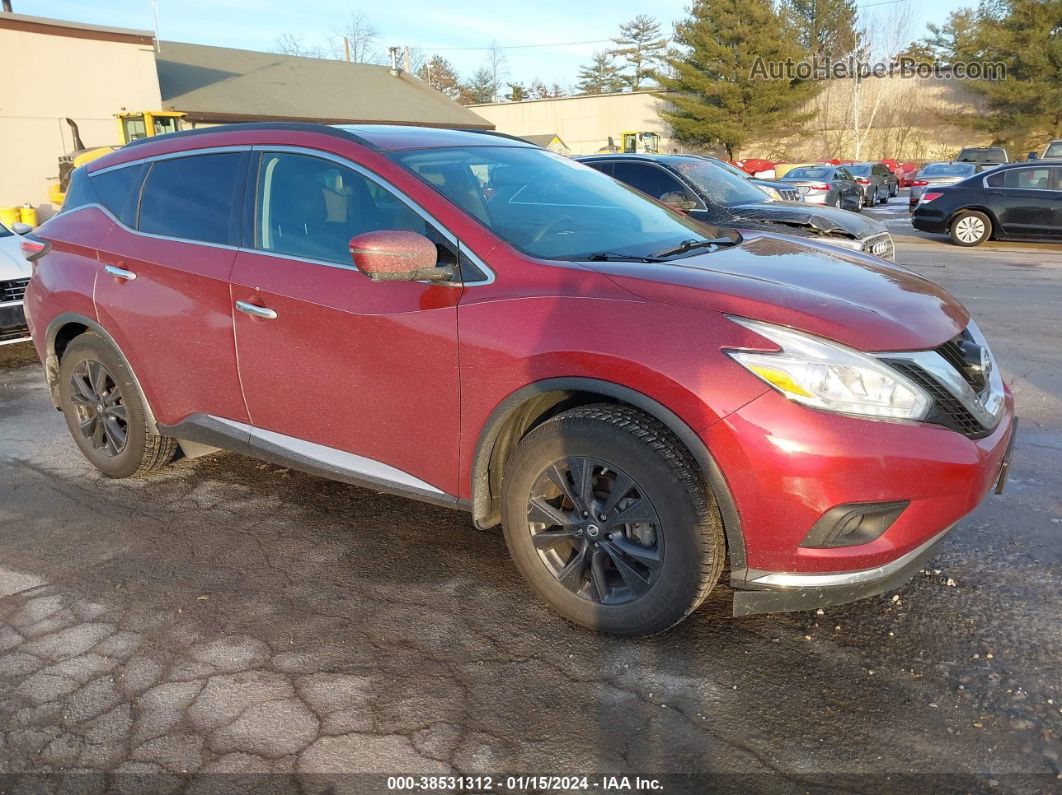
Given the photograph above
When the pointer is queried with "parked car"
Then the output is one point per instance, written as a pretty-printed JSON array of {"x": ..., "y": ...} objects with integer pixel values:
[
  {"x": 983, "y": 156},
  {"x": 782, "y": 169},
  {"x": 1020, "y": 201},
  {"x": 897, "y": 171},
  {"x": 638, "y": 398},
  {"x": 1053, "y": 151},
  {"x": 14, "y": 276},
  {"x": 708, "y": 193},
  {"x": 779, "y": 191},
  {"x": 909, "y": 171},
  {"x": 757, "y": 167},
  {"x": 933, "y": 175},
  {"x": 875, "y": 179},
  {"x": 831, "y": 185}
]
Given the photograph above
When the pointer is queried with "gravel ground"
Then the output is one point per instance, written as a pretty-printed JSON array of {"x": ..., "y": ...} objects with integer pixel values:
[{"x": 233, "y": 617}]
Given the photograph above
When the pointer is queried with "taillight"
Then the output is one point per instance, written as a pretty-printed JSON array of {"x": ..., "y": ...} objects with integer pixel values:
[
  {"x": 919, "y": 183},
  {"x": 862, "y": 180},
  {"x": 819, "y": 186},
  {"x": 928, "y": 197},
  {"x": 33, "y": 248}
]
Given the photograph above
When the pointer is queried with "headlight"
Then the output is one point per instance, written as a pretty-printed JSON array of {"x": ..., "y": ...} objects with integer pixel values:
[
  {"x": 827, "y": 375},
  {"x": 773, "y": 193}
]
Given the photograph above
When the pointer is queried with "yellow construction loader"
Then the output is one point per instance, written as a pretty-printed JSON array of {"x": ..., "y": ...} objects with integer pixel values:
[{"x": 131, "y": 127}]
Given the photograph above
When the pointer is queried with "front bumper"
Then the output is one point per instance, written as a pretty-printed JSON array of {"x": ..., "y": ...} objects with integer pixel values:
[
  {"x": 786, "y": 466},
  {"x": 13, "y": 323}
]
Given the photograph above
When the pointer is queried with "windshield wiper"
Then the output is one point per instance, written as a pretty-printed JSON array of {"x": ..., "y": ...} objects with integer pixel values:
[
  {"x": 608, "y": 256},
  {"x": 690, "y": 245}
]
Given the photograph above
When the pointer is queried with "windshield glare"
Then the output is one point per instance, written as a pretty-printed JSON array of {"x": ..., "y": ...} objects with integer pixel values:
[{"x": 548, "y": 206}]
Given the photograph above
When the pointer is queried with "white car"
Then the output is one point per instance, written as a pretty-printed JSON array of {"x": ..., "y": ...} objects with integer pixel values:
[{"x": 14, "y": 276}]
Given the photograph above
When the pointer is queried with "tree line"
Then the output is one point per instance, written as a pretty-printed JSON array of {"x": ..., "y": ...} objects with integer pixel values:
[{"x": 715, "y": 98}]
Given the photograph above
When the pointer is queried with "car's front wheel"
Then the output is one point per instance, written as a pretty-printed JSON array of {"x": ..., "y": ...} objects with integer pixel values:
[
  {"x": 970, "y": 228},
  {"x": 106, "y": 412},
  {"x": 608, "y": 518}
]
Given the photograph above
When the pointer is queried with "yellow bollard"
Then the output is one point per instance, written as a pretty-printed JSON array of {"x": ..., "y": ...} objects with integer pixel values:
[{"x": 27, "y": 213}]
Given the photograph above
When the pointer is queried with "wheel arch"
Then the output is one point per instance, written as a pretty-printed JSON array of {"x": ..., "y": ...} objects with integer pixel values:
[
  {"x": 62, "y": 330},
  {"x": 980, "y": 208},
  {"x": 533, "y": 404}
]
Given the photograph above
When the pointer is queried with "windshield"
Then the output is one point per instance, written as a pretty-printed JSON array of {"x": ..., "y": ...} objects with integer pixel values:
[
  {"x": 859, "y": 171},
  {"x": 737, "y": 172},
  {"x": 981, "y": 155},
  {"x": 948, "y": 170},
  {"x": 718, "y": 185},
  {"x": 1054, "y": 150},
  {"x": 809, "y": 173},
  {"x": 548, "y": 206}
]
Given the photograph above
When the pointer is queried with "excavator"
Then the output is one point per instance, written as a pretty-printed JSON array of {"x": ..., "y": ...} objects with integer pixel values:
[{"x": 131, "y": 127}]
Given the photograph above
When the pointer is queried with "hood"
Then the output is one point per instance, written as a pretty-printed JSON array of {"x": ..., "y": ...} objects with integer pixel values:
[
  {"x": 12, "y": 264},
  {"x": 826, "y": 221},
  {"x": 859, "y": 301}
]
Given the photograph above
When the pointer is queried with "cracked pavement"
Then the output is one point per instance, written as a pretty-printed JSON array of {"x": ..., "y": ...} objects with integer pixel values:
[{"x": 234, "y": 617}]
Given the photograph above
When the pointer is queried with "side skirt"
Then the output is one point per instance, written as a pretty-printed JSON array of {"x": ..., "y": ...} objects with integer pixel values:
[{"x": 314, "y": 459}]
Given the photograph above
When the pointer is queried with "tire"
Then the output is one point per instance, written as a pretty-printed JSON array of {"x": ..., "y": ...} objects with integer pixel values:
[
  {"x": 867, "y": 202},
  {"x": 884, "y": 199},
  {"x": 970, "y": 228},
  {"x": 118, "y": 448},
  {"x": 894, "y": 190},
  {"x": 679, "y": 546}
]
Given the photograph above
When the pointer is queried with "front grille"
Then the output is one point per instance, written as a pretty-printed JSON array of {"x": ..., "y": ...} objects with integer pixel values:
[
  {"x": 13, "y": 290},
  {"x": 790, "y": 194},
  {"x": 888, "y": 252},
  {"x": 948, "y": 410}
]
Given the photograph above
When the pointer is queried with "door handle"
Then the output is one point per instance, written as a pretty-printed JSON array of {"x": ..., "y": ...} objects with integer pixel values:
[
  {"x": 256, "y": 311},
  {"x": 119, "y": 273}
]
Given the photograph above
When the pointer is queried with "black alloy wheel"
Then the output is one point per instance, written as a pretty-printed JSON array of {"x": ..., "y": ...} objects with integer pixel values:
[
  {"x": 595, "y": 530},
  {"x": 101, "y": 413}
]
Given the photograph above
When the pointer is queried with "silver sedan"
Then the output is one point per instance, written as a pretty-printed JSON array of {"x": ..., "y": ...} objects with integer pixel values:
[
  {"x": 826, "y": 184},
  {"x": 936, "y": 174}
]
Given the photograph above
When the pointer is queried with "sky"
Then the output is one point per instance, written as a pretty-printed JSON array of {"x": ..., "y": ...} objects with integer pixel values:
[{"x": 459, "y": 30}]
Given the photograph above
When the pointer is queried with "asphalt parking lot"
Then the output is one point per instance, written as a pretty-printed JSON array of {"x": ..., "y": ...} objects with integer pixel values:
[{"x": 235, "y": 617}]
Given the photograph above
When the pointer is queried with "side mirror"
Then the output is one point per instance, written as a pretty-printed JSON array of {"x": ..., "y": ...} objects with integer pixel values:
[
  {"x": 397, "y": 255},
  {"x": 20, "y": 228}
]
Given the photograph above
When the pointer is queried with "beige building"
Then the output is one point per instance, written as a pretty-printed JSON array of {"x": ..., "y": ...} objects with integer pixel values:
[
  {"x": 52, "y": 70},
  {"x": 897, "y": 118}
]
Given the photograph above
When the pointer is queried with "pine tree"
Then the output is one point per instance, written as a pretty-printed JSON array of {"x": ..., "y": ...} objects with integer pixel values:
[
  {"x": 641, "y": 46},
  {"x": 517, "y": 92},
  {"x": 440, "y": 74},
  {"x": 1026, "y": 37},
  {"x": 602, "y": 76},
  {"x": 823, "y": 27},
  {"x": 717, "y": 93},
  {"x": 479, "y": 88}
]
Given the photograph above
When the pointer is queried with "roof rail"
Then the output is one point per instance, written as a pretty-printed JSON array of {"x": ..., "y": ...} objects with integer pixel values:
[{"x": 323, "y": 129}]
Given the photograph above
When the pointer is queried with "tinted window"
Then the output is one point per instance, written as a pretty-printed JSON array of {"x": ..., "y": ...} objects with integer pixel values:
[
  {"x": 809, "y": 173},
  {"x": 1029, "y": 178},
  {"x": 190, "y": 197},
  {"x": 648, "y": 179},
  {"x": 5, "y": 232},
  {"x": 119, "y": 191},
  {"x": 859, "y": 171},
  {"x": 310, "y": 207},
  {"x": 547, "y": 205}
]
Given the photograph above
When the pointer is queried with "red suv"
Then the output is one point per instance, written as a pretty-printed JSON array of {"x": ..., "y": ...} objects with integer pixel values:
[{"x": 463, "y": 318}]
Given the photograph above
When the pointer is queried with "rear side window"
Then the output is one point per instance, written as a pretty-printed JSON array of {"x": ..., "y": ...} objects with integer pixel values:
[
  {"x": 79, "y": 191},
  {"x": 119, "y": 191},
  {"x": 191, "y": 197},
  {"x": 1029, "y": 178}
]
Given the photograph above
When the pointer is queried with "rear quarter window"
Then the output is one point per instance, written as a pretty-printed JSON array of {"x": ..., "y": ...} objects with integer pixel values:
[
  {"x": 191, "y": 197},
  {"x": 119, "y": 191},
  {"x": 79, "y": 192}
]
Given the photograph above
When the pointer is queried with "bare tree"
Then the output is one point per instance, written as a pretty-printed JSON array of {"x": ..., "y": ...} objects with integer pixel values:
[
  {"x": 357, "y": 41},
  {"x": 294, "y": 44},
  {"x": 498, "y": 66}
]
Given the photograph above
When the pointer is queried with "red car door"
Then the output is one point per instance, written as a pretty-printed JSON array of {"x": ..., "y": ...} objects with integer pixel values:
[
  {"x": 162, "y": 291},
  {"x": 341, "y": 372}
]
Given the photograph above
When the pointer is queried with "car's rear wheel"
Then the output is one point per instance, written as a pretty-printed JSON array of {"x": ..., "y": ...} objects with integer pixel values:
[
  {"x": 106, "y": 412},
  {"x": 970, "y": 228},
  {"x": 608, "y": 518}
]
